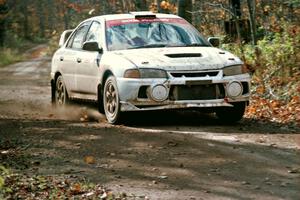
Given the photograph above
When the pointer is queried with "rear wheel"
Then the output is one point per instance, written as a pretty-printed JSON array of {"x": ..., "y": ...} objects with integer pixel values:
[
  {"x": 111, "y": 101},
  {"x": 231, "y": 114},
  {"x": 61, "y": 95}
]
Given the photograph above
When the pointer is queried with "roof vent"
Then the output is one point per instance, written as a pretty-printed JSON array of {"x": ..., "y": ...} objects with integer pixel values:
[{"x": 143, "y": 15}]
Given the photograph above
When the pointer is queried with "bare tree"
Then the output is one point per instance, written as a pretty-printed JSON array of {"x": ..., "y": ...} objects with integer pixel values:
[
  {"x": 252, "y": 8},
  {"x": 41, "y": 17},
  {"x": 185, "y": 9},
  {"x": 4, "y": 8},
  {"x": 23, "y": 9}
]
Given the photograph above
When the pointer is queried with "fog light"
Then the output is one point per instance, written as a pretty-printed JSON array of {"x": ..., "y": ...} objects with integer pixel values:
[
  {"x": 234, "y": 89},
  {"x": 159, "y": 93}
]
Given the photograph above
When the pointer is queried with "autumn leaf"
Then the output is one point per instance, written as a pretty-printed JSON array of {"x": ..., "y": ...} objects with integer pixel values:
[
  {"x": 76, "y": 189},
  {"x": 89, "y": 160}
]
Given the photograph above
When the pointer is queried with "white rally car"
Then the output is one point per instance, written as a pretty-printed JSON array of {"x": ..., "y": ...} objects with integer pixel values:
[{"x": 145, "y": 61}]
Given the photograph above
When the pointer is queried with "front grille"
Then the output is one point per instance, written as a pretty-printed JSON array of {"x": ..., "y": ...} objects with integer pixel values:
[
  {"x": 194, "y": 74},
  {"x": 197, "y": 92}
]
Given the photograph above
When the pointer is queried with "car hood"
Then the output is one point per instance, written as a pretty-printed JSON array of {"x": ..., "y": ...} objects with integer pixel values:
[{"x": 180, "y": 58}]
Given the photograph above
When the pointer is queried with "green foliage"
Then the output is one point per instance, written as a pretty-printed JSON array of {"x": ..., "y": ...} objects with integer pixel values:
[
  {"x": 3, "y": 174},
  {"x": 8, "y": 56},
  {"x": 294, "y": 3},
  {"x": 1, "y": 178},
  {"x": 274, "y": 60}
]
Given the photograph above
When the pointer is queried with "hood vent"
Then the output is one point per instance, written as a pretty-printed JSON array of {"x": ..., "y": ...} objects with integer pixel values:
[{"x": 184, "y": 55}]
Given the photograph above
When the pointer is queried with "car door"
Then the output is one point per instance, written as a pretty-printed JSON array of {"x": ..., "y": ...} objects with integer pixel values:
[
  {"x": 87, "y": 74},
  {"x": 70, "y": 54}
]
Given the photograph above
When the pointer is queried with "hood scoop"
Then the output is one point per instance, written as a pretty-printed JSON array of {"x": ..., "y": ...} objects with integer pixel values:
[{"x": 184, "y": 55}]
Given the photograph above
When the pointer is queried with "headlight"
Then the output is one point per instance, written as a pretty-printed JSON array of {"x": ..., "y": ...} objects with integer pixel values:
[
  {"x": 132, "y": 73},
  {"x": 145, "y": 73},
  {"x": 235, "y": 70}
]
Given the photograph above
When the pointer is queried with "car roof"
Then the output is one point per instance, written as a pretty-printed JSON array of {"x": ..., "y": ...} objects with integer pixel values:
[{"x": 131, "y": 15}]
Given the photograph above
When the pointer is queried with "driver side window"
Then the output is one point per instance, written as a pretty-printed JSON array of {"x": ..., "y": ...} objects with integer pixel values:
[
  {"x": 78, "y": 38},
  {"x": 94, "y": 32}
]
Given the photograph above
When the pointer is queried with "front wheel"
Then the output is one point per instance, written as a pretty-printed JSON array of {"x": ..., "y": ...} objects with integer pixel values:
[
  {"x": 61, "y": 95},
  {"x": 111, "y": 101},
  {"x": 231, "y": 114}
]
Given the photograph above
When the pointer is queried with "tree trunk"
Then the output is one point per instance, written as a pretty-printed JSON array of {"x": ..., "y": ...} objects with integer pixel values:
[
  {"x": 159, "y": 10},
  {"x": 123, "y": 5},
  {"x": 25, "y": 25},
  {"x": 141, "y": 5},
  {"x": 2, "y": 32},
  {"x": 238, "y": 30},
  {"x": 185, "y": 7},
  {"x": 3, "y": 11},
  {"x": 51, "y": 15},
  {"x": 236, "y": 7},
  {"x": 66, "y": 16},
  {"x": 252, "y": 9},
  {"x": 40, "y": 14}
]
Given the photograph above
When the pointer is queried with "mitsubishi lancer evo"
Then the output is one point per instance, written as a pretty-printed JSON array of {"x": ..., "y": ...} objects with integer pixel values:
[{"x": 147, "y": 61}]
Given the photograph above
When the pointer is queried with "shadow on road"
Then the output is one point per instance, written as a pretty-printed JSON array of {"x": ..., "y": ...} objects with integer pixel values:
[
  {"x": 154, "y": 163},
  {"x": 196, "y": 120}
]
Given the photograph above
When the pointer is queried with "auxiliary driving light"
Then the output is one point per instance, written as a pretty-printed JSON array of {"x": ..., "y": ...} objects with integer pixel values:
[
  {"x": 234, "y": 89},
  {"x": 159, "y": 92}
]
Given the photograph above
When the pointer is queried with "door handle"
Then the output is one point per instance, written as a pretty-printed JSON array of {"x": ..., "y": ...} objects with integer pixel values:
[
  {"x": 61, "y": 58},
  {"x": 78, "y": 60}
]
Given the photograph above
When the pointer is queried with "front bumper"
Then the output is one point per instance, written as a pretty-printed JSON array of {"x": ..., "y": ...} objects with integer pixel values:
[{"x": 181, "y": 92}]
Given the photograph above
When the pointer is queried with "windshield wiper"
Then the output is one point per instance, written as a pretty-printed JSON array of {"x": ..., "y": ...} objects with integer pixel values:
[
  {"x": 169, "y": 45},
  {"x": 149, "y": 46}
]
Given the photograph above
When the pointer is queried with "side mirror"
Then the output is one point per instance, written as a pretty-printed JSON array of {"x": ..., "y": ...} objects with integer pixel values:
[
  {"x": 214, "y": 41},
  {"x": 64, "y": 37},
  {"x": 92, "y": 46}
]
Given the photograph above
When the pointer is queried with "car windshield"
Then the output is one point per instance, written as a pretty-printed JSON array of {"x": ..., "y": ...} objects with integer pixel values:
[{"x": 151, "y": 33}]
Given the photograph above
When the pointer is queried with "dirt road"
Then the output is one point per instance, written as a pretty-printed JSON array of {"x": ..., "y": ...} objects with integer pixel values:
[{"x": 156, "y": 155}]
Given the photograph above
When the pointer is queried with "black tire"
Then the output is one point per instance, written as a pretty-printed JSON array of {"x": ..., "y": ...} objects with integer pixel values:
[
  {"x": 231, "y": 114},
  {"x": 111, "y": 101},
  {"x": 52, "y": 92},
  {"x": 61, "y": 94},
  {"x": 100, "y": 101}
]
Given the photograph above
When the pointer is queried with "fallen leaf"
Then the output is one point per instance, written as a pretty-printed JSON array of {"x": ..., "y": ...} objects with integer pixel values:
[
  {"x": 76, "y": 189},
  {"x": 89, "y": 160}
]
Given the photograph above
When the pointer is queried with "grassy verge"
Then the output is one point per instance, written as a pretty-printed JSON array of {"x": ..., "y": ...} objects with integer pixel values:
[
  {"x": 9, "y": 56},
  {"x": 16, "y": 49},
  {"x": 21, "y": 186}
]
